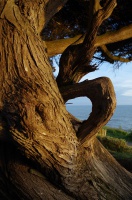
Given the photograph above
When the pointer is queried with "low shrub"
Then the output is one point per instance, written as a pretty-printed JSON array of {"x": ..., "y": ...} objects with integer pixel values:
[
  {"x": 113, "y": 144},
  {"x": 116, "y": 133},
  {"x": 129, "y": 136}
]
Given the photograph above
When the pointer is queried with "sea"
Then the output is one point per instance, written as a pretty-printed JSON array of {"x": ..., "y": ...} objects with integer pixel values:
[{"x": 122, "y": 117}]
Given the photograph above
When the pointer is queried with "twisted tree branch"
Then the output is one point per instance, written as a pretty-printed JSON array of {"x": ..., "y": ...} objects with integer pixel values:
[
  {"x": 75, "y": 60},
  {"x": 101, "y": 93}
]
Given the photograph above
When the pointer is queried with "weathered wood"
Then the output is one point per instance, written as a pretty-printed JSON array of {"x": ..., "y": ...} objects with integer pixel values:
[
  {"x": 75, "y": 60},
  {"x": 101, "y": 93},
  {"x": 30, "y": 103},
  {"x": 37, "y": 125},
  {"x": 58, "y": 46},
  {"x": 20, "y": 178},
  {"x": 102, "y": 132}
]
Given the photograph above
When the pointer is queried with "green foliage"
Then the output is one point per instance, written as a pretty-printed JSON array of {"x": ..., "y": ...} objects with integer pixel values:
[
  {"x": 119, "y": 133},
  {"x": 116, "y": 132},
  {"x": 129, "y": 136},
  {"x": 113, "y": 144},
  {"x": 73, "y": 19},
  {"x": 116, "y": 143},
  {"x": 126, "y": 155}
]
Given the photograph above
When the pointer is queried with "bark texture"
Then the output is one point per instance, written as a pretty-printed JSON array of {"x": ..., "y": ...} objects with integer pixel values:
[
  {"x": 30, "y": 102},
  {"x": 58, "y": 46},
  {"x": 101, "y": 93},
  {"x": 75, "y": 60},
  {"x": 41, "y": 157}
]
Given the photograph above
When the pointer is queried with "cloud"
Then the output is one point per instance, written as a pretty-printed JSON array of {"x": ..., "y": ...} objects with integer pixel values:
[
  {"x": 124, "y": 84},
  {"x": 127, "y": 84},
  {"x": 128, "y": 93},
  {"x": 127, "y": 87}
]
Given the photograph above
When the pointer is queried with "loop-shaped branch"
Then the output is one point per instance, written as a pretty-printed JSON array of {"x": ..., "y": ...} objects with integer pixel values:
[{"x": 101, "y": 93}]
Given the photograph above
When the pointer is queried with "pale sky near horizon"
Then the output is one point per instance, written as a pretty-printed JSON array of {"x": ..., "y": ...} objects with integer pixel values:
[{"x": 121, "y": 79}]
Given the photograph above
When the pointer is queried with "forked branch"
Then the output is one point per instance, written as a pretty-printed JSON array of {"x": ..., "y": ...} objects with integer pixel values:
[{"x": 75, "y": 60}]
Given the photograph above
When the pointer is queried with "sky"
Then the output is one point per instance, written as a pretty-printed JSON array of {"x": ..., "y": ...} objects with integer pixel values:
[{"x": 121, "y": 79}]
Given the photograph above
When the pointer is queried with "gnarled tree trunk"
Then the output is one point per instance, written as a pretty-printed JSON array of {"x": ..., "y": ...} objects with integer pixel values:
[{"x": 38, "y": 142}]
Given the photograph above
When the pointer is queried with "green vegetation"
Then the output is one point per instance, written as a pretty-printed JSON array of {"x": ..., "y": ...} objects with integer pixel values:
[
  {"x": 116, "y": 141},
  {"x": 129, "y": 136},
  {"x": 123, "y": 155},
  {"x": 113, "y": 144},
  {"x": 119, "y": 133}
]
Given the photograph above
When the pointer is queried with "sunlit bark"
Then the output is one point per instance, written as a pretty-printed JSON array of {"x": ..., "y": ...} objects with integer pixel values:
[
  {"x": 75, "y": 60},
  {"x": 58, "y": 46},
  {"x": 38, "y": 143},
  {"x": 30, "y": 104},
  {"x": 101, "y": 93}
]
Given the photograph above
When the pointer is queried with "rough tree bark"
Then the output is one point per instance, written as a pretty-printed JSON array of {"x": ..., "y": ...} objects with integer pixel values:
[
  {"x": 101, "y": 93},
  {"x": 75, "y": 60},
  {"x": 38, "y": 143}
]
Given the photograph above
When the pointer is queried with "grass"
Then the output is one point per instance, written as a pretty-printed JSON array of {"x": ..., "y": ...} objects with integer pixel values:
[
  {"x": 119, "y": 133},
  {"x": 116, "y": 141},
  {"x": 129, "y": 136},
  {"x": 123, "y": 155},
  {"x": 113, "y": 144}
]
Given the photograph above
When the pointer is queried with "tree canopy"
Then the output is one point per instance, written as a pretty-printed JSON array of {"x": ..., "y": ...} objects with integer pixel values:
[{"x": 73, "y": 19}]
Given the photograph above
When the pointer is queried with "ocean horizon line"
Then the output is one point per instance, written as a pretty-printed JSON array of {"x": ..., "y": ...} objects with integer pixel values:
[
  {"x": 72, "y": 104},
  {"x": 122, "y": 116}
]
